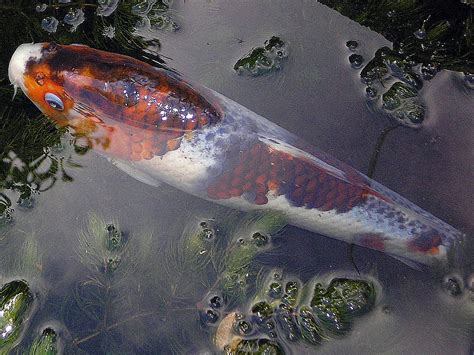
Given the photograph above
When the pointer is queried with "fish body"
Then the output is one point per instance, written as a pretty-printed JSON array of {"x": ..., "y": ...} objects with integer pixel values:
[{"x": 159, "y": 127}]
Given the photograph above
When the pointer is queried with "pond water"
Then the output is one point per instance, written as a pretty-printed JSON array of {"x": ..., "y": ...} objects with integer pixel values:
[{"x": 145, "y": 296}]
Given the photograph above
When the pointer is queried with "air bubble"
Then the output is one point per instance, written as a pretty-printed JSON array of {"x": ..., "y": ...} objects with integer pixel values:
[
  {"x": 371, "y": 92},
  {"x": 244, "y": 327},
  {"x": 275, "y": 289},
  {"x": 352, "y": 45},
  {"x": 259, "y": 239},
  {"x": 41, "y": 7},
  {"x": 420, "y": 33},
  {"x": 270, "y": 325},
  {"x": 356, "y": 60},
  {"x": 74, "y": 18},
  {"x": 212, "y": 316},
  {"x": 262, "y": 310},
  {"x": 429, "y": 71},
  {"x": 453, "y": 285},
  {"x": 50, "y": 24},
  {"x": 106, "y": 7},
  {"x": 143, "y": 8},
  {"x": 215, "y": 302},
  {"x": 109, "y": 31}
]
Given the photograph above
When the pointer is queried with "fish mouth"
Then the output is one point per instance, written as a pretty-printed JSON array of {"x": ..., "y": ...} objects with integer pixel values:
[{"x": 17, "y": 65}]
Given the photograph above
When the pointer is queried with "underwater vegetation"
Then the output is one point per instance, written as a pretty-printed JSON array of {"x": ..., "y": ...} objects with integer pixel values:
[
  {"x": 427, "y": 37},
  {"x": 209, "y": 268},
  {"x": 45, "y": 344},
  {"x": 283, "y": 313},
  {"x": 195, "y": 293},
  {"x": 32, "y": 155},
  {"x": 15, "y": 303},
  {"x": 263, "y": 60},
  {"x": 135, "y": 294}
]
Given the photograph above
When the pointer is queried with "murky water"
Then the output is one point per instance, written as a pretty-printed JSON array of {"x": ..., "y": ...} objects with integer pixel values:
[{"x": 154, "y": 303}]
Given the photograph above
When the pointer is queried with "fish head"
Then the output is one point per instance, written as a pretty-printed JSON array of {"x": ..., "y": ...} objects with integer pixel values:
[
  {"x": 30, "y": 71},
  {"x": 75, "y": 86},
  {"x": 114, "y": 99}
]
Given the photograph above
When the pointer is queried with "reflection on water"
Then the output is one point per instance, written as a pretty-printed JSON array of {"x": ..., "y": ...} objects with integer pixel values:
[{"x": 113, "y": 265}]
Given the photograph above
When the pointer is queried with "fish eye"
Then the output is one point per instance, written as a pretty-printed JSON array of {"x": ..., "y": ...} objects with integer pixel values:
[{"x": 54, "y": 101}]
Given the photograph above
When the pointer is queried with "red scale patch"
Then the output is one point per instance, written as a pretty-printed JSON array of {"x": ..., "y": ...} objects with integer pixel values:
[{"x": 261, "y": 170}]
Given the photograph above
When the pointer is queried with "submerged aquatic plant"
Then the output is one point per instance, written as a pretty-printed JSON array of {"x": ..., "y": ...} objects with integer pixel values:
[
  {"x": 175, "y": 277},
  {"x": 263, "y": 60},
  {"x": 30, "y": 158},
  {"x": 15, "y": 305},
  {"x": 340, "y": 302},
  {"x": 249, "y": 237},
  {"x": 112, "y": 263},
  {"x": 28, "y": 161},
  {"x": 45, "y": 344},
  {"x": 427, "y": 37},
  {"x": 289, "y": 316}
]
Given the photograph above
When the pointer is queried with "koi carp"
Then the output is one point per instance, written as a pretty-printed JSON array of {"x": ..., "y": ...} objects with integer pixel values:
[{"x": 159, "y": 127}]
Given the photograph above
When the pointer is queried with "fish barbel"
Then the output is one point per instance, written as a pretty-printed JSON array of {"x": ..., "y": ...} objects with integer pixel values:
[{"x": 158, "y": 127}]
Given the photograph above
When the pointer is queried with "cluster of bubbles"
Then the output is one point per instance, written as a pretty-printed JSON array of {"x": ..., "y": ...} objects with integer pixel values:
[
  {"x": 73, "y": 18},
  {"x": 154, "y": 16},
  {"x": 356, "y": 60},
  {"x": 455, "y": 286},
  {"x": 106, "y": 7}
]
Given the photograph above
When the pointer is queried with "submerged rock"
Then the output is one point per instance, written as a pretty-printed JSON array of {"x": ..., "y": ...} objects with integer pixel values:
[
  {"x": 263, "y": 60},
  {"x": 15, "y": 303}
]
